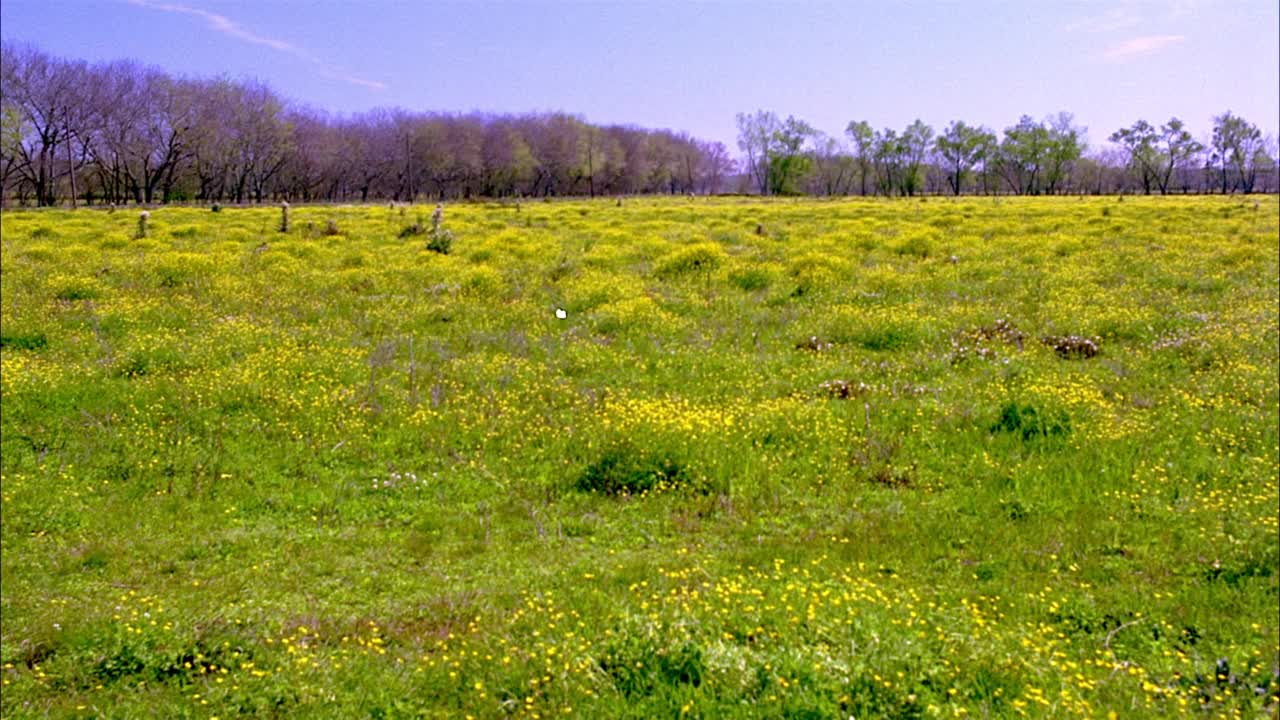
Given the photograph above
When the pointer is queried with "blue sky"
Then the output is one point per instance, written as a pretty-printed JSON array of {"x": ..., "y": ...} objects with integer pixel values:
[{"x": 692, "y": 66}]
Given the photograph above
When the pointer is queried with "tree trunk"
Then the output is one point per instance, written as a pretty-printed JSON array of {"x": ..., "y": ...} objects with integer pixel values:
[{"x": 71, "y": 171}]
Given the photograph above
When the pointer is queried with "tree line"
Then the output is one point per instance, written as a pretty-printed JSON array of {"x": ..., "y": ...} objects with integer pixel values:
[
  {"x": 1031, "y": 157},
  {"x": 121, "y": 132}
]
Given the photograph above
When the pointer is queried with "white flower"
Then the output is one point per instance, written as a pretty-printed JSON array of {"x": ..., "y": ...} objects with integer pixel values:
[{"x": 560, "y": 313}]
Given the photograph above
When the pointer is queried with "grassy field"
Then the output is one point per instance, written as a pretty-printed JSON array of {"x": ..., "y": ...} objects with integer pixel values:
[{"x": 987, "y": 457}]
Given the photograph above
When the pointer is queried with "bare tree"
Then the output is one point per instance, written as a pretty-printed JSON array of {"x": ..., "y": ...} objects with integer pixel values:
[
  {"x": 44, "y": 91},
  {"x": 833, "y": 168},
  {"x": 755, "y": 136}
]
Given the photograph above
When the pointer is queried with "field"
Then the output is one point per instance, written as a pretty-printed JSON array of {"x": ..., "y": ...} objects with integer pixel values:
[{"x": 985, "y": 457}]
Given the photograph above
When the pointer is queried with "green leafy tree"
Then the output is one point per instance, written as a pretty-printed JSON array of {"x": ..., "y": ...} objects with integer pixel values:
[
  {"x": 1236, "y": 143},
  {"x": 1066, "y": 145},
  {"x": 788, "y": 164},
  {"x": 914, "y": 147},
  {"x": 774, "y": 150},
  {"x": 862, "y": 138},
  {"x": 961, "y": 148},
  {"x": 1178, "y": 147},
  {"x": 1139, "y": 142},
  {"x": 1023, "y": 154},
  {"x": 886, "y": 158}
]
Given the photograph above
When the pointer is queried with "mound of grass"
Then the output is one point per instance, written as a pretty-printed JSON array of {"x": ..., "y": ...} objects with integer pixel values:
[
  {"x": 24, "y": 341},
  {"x": 640, "y": 667},
  {"x": 698, "y": 259},
  {"x": 76, "y": 291},
  {"x": 917, "y": 245},
  {"x": 751, "y": 279},
  {"x": 883, "y": 338},
  {"x": 628, "y": 470},
  {"x": 1030, "y": 423}
]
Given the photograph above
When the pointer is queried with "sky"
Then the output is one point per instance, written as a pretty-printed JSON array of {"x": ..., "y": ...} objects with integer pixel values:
[{"x": 692, "y": 66}]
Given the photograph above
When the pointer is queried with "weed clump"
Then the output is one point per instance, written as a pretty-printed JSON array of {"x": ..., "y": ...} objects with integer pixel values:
[
  {"x": 815, "y": 344},
  {"x": 876, "y": 457},
  {"x": 845, "y": 389},
  {"x": 979, "y": 342},
  {"x": 1072, "y": 347},
  {"x": 626, "y": 470},
  {"x": 135, "y": 366},
  {"x": 411, "y": 230},
  {"x": 1030, "y": 423},
  {"x": 439, "y": 239}
]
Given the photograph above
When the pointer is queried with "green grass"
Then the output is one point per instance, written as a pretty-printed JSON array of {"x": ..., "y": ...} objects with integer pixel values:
[{"x": 862, "y": 464}]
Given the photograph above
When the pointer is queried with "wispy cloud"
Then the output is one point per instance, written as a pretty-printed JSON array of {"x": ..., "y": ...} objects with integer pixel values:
[
  {"x": 1126, "y": 14},
  {"x": 227, "y": 26},
  {"x": 1117, "y": 18},
  {"x": 1139, "y": 46}
]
